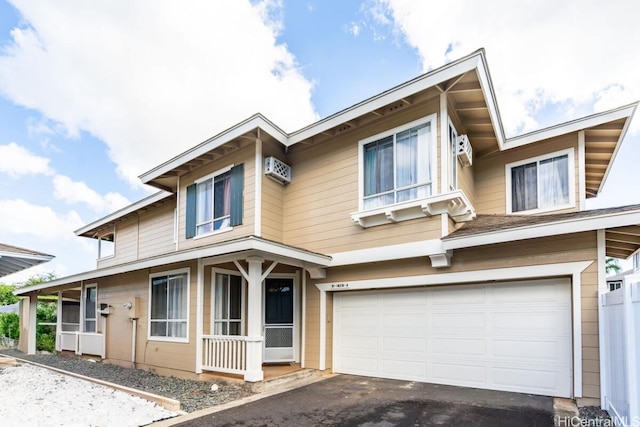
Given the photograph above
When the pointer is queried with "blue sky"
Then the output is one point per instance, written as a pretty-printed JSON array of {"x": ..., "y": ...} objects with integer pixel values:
[{"x": 92, "y": 94}]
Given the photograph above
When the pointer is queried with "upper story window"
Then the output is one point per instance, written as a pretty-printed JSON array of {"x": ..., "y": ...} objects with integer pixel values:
[
  {"x": 214, "y": 203},
  {"x": 541, "y": 184},
  {"x": 168, "y": 305},
  {"x": 397, "y": 167},
  {"x": 106, "y": 245}
]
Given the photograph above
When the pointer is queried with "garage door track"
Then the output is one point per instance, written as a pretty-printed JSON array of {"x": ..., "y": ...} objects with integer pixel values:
[{"x": 347, "y": 400}]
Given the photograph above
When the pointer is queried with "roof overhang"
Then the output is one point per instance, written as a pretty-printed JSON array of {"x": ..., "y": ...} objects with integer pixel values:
[
  {"x": 622, "y": 232},
  {"x": 14, "y": 259},
  {"x": 90, "y": 230},
  {"x": 216, "y": 253}
]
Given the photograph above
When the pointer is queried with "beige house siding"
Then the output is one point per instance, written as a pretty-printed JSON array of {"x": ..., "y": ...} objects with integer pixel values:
[
  {"x": 550, "y": 250},
  {"x": 490, "y": 180},
  {"x": 156, "y": 234},
  {"x": 324, "y": 192},
  {"x": 273, "y": 194},
  {"x": 126, "y": 244},
  {"x": 245, "y": 155},
  {"x": 151, "y": 354}
]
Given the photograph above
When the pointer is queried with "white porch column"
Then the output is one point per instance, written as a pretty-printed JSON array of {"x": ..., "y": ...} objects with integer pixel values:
[
  {"x": 59, "y": 322},
  {"x": 33, "y": 320},
  {"x": 199, "y": 314},
  {"x": 254, "y": 321}
]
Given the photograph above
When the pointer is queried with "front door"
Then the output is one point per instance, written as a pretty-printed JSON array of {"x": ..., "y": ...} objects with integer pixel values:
[{"x": 279, "y": 316}]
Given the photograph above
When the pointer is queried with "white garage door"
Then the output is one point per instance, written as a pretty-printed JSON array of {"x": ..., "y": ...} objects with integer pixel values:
[{"x": 510, "y": 336}]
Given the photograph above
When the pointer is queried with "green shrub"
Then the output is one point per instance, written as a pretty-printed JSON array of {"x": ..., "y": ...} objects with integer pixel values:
[{"x": 9, "y": 325}]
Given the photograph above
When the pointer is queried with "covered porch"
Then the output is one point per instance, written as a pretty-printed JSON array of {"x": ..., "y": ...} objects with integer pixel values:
[{"x": 250, "y": 309}]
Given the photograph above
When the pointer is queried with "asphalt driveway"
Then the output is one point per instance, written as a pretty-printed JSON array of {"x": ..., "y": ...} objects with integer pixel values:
[{"x": 347, "y": 400}]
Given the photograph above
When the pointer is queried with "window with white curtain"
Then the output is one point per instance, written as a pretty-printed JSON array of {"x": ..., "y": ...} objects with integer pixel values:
[
  {"x": 213, "y": 203},
  {"x": 397, "y": 167},
  {"x": 169, "y": 304},
  {"x": 543, "y": 183},
  {"x": 227, "y": 304}
]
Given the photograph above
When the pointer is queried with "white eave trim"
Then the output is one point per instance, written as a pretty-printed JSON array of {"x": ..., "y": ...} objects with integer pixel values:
[
  {"x": 124, "y": 211},
  {"x": 253, "y": 122},
  {"x": 30, "y": 257},
  {"x": 573, "y": 225},
  {"x": 388, "y": 253},
  {"x": 423, "y": 82},
  {"x": 593, "y": 120},
  {"x": 240, "y": 248}
]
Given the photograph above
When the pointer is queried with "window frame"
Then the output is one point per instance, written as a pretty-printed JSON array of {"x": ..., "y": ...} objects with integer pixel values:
[
  {"x": 212, "y": 177},
  {"x": 571, "y": 181},
  {"x": 431, "y": 150},
  {"x": 186, "y": 271},
  {"x": 453, "y": 154},
  {"x": 83, "y": 309},
  {"x": 102, "y": 238},
  {"x": 243, "y": 301}
]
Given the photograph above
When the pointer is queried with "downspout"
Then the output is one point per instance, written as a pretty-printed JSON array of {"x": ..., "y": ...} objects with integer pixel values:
[{"x": 134, "y": 332}]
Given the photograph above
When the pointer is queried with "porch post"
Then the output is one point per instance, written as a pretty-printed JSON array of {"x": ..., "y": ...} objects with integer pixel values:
[
  {"x": 32, "y": 324},
  {"x": 253, "y": 371},
  {"x": 59, "y": 322},
  {"x": 199, "y": 314}
]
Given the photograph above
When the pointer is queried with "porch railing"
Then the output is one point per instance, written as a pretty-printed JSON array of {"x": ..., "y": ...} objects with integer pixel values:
[
  {"x": 82, "y": 342},
  {"x": 224, "y": 353}
]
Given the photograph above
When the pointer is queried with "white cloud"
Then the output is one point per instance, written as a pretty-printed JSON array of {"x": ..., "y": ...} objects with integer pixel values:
[
  {"x": 570, "y": 53},
  {"x": 23, "y": 218},
  {"x": 17, "y": 161},
  {"x": 79, "y": 192},
  {"x": 153, "y": 78}
]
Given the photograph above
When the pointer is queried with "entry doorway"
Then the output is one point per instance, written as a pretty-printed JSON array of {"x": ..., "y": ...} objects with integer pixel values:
[{"x": 279, "y": 320}]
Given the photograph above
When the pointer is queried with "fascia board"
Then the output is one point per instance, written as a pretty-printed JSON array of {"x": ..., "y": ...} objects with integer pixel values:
[
  {"x": 238, "y": 246},
  {"x": 490, "y": 98},
  {"x": 474, "y": 276},
  {"x": 388, "y": 253},
  {"x": 405, "y": 90},
  {"x": 572, "y": 126},
  {"x": 599, "y": 222},
  {"x": 26, "y": 256},
  {"x": 124, "y": 211},
  {"x": 255, "y": 121}
]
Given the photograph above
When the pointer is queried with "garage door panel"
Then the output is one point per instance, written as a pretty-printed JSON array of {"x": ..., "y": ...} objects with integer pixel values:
[
  {"x": 451, "y": 296},
  {"x": 545, "y": 320},
  {"x": 404, "y": 320},
  {"x": 459, "y": 347},
  {"x": 543, "y": 351},
  {"x": 459, "y": 374},
  {"x": 475, "y": 335},
  {"x": 461, "y": 321},
  {"x": 405, "y": 344}
]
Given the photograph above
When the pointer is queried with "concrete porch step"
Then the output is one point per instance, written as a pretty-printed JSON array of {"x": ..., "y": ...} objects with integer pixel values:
[{"x": 270, "y": 383}]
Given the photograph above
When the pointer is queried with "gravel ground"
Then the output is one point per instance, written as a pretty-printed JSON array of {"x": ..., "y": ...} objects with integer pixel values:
[
  {"x": 594, "y": 416},
  {"x": 193, "y": 395}
]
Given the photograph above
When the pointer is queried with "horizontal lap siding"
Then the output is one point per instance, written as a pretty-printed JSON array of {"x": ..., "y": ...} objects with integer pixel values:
[
  {"x": 126, "y": 245},
  {"x": 324, "y": 193},
  {"x": 490, "y": 180},
  {"x": 157, "y": 231},
  {"x": 117, "y": 290}
]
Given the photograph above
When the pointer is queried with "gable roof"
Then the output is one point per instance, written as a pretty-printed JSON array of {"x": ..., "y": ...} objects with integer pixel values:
[
  {"x": 622, "y": 235},
  {"x": 14, "y": 259}
]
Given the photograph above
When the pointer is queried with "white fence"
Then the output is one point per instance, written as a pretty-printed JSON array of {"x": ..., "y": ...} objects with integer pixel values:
[
  {"x": 225, "y": 353},
  {"x": 620, "y": 353},
  {"x": 82, "y": 343}
]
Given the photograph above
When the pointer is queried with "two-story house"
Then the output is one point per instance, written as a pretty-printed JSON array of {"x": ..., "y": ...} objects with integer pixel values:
[{"x": 404, "y": 237}]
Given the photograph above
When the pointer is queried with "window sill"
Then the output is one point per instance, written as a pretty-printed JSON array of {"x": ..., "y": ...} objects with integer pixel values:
[
  {"x": 170, "y": 339},
  {"x": 454, "y": 203},
  {"x": 212, "y": 233},
  {"x": 564, "y": 207}
]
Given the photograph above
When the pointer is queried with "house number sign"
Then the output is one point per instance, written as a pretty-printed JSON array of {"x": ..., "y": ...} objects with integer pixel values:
[{"x": 339, "y": 285}]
